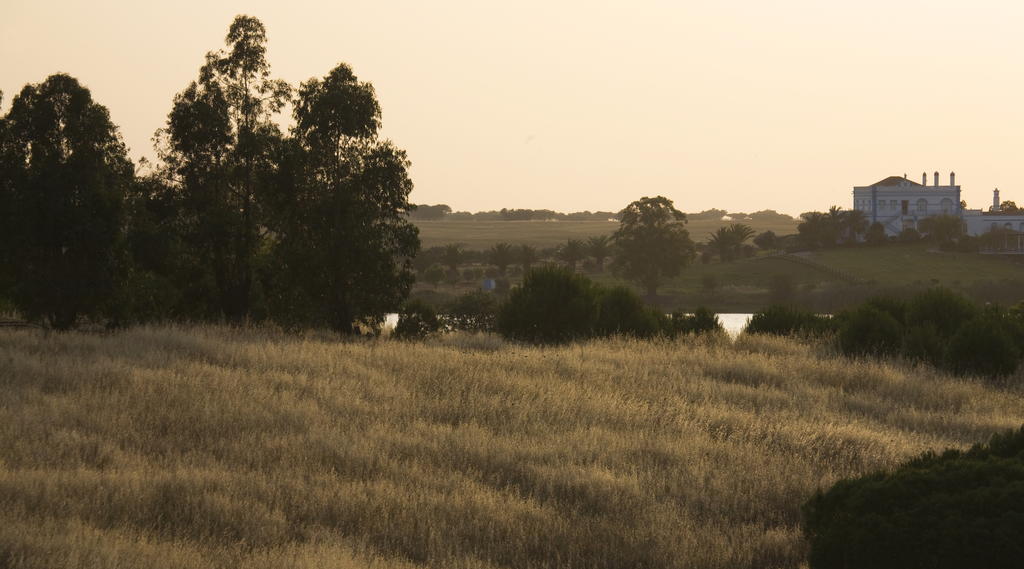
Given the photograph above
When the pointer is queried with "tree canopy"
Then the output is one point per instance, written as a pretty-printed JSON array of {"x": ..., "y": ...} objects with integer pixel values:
[
  {"x": 653, "y": 242},
  {"x": 218, "y": 147},
  {"x": 64, "y": 173}
]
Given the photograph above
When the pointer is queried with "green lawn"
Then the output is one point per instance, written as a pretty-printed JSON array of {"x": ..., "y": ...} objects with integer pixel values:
[
  {"x": 480, "y": 235},
  {"x": 900, "y": 264},
  {"x": 746, "y": 285}
]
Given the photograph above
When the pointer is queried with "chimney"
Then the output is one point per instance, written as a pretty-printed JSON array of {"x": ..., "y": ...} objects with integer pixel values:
[
  {"x": 924, "y": 178},
  {"x": 936, "y": 178},
  {"x": 995, "y": 200},
  {"x": 952, "y": 178}
]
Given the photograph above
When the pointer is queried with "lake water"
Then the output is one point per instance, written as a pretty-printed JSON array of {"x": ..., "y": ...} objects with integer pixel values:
[{"x": 733, "y": 323}]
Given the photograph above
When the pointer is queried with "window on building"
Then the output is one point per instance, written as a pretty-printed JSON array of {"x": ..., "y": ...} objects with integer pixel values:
[
  {"x": 947, "y": 206},
  {"x": 922, "y": 206},
  {"x": 892, "y": 204}
]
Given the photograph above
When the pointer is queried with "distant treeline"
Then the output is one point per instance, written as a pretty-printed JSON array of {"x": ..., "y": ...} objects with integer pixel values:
[{"x": 426, "y": 212}]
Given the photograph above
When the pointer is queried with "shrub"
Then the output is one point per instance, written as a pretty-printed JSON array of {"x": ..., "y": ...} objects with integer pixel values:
[
  {"x": 983, "y": 346},
  {"x": 957, "y": 509},
  {"x": 910, "y": 234},
  {"x": 876, "y": 234},
  {"x": 942, "y": 308},
  {"x": 923, "y": 343},
  {"x": 868, "y": 330},
  {"x": 895, "y": 307},
  {"x": 621, "y": 311},
  {"x": 701, "y": 321},
  {"x": 416, "y": 321},
  {"x": 552, "y": 306},
  {"x": 473, "y": 312},
  {"x": 784, "y": 320}
]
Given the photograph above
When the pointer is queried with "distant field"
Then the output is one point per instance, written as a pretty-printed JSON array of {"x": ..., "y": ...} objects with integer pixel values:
[
  {"x": 743, "y": 286},
  {"x": 902, "y": 264},
  {"x": 482, "y": 234},
  {"x": 197, "y": 448}
]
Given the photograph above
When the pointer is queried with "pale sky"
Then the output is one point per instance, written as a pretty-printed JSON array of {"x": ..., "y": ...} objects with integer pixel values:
[{"x": 588, "y": 105}]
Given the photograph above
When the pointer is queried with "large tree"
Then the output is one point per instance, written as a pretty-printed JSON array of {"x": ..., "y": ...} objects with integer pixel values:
[
  {"x": 63, "y": 175},
  {"x": 219, "y": 147},
  {"x": 343, "y": 239},
  {"x": 652, "y": 241}
]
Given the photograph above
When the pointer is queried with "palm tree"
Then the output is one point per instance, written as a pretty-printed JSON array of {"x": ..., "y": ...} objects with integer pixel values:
[
  {"x": 527, "y": 256},
  {"x": 855, "y": 223},
  {"x": 819, "y": 229},
  {"x": 572, "y": 252},
  {"x": 500, "y": 255},
  {"x": 728, "y": 240},
  {"x": 600, "y": 248}
]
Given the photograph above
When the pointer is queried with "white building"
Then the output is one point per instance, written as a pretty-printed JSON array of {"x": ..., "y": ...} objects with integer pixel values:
[
  {"x": 978, "y": 221},
  {"x": 898, "y": 203}
]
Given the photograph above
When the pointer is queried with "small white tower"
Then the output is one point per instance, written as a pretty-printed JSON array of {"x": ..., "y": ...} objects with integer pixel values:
[
  {"x": 995, "y": 200},
  {"x": 936, "y": 178},
  {"x": 924, "y": 178},
  {"x": 952, "y": 178}
]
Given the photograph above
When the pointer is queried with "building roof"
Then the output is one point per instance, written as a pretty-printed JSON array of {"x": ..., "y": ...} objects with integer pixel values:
[{"x": 896, "y": 181}]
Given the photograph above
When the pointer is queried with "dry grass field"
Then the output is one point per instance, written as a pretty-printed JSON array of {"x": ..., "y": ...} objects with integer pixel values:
[{"x": 209, "y": 447}]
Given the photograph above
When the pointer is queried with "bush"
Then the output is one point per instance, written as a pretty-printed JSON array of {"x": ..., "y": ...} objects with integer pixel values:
[
  {"x": 909, "y": 234},
  {"x": 869, "y": 331},
  {"x": 983, "y": 346},
  {"x": 895, "y": 307},
  {"x": 954, "y": 510},
  {"x": 876, "y": 235},
  {"x": 924, "y": 344},
  {"x": 552, "y": 306},
  {"x": 702, "y": 321},
  {"x": 472, "y": 312},
  {"x": 783, "y": 320},
  {"x": 416, "y": 321},
  {"x": 621, "y": 311},
  {"x": 942, "y": 308}
]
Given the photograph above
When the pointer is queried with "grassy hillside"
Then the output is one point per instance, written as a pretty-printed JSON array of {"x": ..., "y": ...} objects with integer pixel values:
[
  {"x": 915, "y": 262},
  {"x": 209, "y": 447},
  {"x": 480, "y": 235}
]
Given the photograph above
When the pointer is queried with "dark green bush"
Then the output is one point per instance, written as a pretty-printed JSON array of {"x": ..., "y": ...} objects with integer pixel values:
[
  {"x": 702, "y": 321},
  {"x": 551, "y": 306},
  {"x": 784, "y": 320},
  {"x": 622, "y": 311},
  {"x": 924, "y": 344},
  {"x": 416, "y": 321},
  {"x": 942, "y": 308},
  {"x": 869, "y": 331},
  {"x": 983, "y": 346},
  {"x": 954, "y": 510},
  {"x": 895, "y": 307},
  {"x": 473, "y": 312}
]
